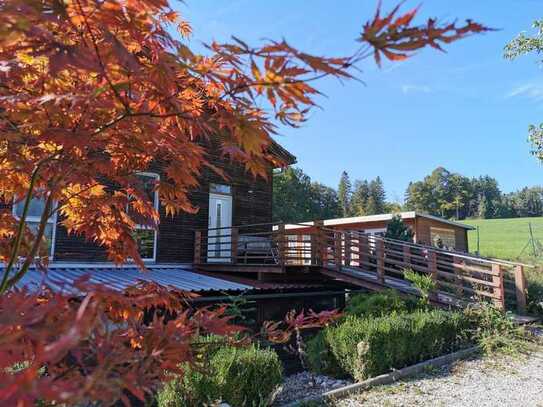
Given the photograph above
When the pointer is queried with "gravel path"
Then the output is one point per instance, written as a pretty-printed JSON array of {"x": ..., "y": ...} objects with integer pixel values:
[{"x": 482, "y": 382}]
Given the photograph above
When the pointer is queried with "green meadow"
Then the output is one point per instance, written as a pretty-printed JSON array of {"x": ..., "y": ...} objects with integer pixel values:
[{"x": 505, "y": 238}]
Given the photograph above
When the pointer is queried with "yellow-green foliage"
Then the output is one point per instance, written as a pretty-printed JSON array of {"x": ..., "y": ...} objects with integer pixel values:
[{"x": 379, "y": 304}]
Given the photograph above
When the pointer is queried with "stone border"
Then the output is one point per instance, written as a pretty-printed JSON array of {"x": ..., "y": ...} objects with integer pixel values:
[{"x": 391, "y": 377}]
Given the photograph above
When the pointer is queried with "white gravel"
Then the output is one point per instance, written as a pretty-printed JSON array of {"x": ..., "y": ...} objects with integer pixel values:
[{"x": 504, "y": 381}]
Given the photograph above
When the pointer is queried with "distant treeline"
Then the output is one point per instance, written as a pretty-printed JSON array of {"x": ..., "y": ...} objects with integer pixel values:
[
  {"x": 443, "y": 193},
  {"x": 453, "y": 195}
]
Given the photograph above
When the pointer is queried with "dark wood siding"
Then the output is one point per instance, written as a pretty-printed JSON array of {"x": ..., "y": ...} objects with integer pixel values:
[{"x": 252, "y": 203}]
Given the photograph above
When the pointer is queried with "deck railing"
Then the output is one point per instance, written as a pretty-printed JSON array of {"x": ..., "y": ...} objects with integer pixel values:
[{"x": 275, "y": 244}]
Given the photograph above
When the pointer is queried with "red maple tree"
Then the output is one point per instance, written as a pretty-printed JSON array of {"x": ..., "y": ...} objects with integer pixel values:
[{"x": 92, "y": 92}]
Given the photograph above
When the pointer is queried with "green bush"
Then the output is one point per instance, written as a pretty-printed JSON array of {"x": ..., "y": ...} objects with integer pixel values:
[
  {"x": 495, "y": 330},
  {"x": 194, "y": 388},
  {"x": 239, "y": 376},
  {"x": 366, "y": 347},
  {"x": 320, "y": 358},
  {"x": 379, "y": 304},
  {"x": 534, "y": 283}
]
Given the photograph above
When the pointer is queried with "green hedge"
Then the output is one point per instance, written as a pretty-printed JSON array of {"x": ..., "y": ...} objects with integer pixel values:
[
  {"x": 239, "y": 376},
  {"x": 379, "y": 304},
  {"x": 367, "y": 347}
]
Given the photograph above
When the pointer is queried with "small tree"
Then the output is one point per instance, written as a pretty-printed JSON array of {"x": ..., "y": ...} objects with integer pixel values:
[{"x": 398, "y": 230}]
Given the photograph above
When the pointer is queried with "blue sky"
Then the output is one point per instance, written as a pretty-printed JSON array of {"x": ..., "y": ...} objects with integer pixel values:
[{"x": 467, "y": 110}]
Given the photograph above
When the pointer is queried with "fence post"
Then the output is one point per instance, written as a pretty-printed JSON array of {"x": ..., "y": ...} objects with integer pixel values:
[
  {"x": 407, "y": 255},
  {"x": 317, "y": 243},
  {"x": 198, "y": 247},
  {"x": 347, "y": 242},
  {"x": 281, "y": 243},
  {"x": 520, "y": 288},
  {"x": 337, "y": 250},
  {"x": 363, "y": 248},
  {"x": 380, "y": 246},
  {"x": 432, "y": 269},
  {"x": 457, "y": 266},
  {"x": 234, "y": 236},
  {"x": 497, "y": 279}
]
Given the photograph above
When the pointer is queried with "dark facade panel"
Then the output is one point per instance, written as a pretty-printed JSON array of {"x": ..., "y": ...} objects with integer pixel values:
[{"x": 252, "y": 203}]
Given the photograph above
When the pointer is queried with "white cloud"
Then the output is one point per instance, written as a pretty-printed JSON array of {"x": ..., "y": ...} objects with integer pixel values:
[
  {"x": 409, "y": 88},
  {"x": 533, "y": 91}
]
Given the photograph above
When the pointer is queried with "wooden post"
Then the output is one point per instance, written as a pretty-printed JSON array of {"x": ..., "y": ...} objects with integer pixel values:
[
  {"x": 457, "y": 267},
  {"x": 234, "y": 237},
  {"x": 520, "y": 288},
  {"x": 198, "y": 247},
  {"x": 281, "y": 243},
  {"x": 347, "y": 242},
  {"x": 317, "y": 243},
  {"x": 363, "y": 249},
  {"x": 432, "y": 269},
  {"x": 380, "y": 247},
  {"x": 337, "y": 250},
  {"x": 407, "y": 256},
  {"x": 497, "y": 279}
]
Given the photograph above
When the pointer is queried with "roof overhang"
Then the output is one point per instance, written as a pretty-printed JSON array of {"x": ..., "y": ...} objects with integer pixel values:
[{"x": 378, "y": 218}]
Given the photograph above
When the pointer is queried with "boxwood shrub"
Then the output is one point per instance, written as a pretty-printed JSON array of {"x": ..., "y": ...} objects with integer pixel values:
[
  {"x": 379, "y": 304},
  {"x": 367, "y": 347},
  {"x": 239, "y": 376}
]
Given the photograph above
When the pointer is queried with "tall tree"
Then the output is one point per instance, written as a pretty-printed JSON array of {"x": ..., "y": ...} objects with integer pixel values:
[
  {"x": 297, "y": 199},
  {"x": 292, "y": 196},
  {"x": 377, "y": 197},
  {"x": 324, "y": 201},
  {"x": 361, "y": 195},
  {"x": 344, "y": 192}
]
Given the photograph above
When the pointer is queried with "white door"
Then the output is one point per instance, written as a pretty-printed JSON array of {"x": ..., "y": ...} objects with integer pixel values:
[{"x": 220, "y": 223}]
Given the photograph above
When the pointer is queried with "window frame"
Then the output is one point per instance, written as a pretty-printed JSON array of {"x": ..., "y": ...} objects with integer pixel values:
[
  {"x": 436, "y": 230},
  {"x": 156, "y": 205},
  {"x": 37, "y": 219}
]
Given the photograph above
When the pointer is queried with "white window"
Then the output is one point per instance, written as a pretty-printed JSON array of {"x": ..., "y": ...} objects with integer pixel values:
[
  {"x": 33, "y": 218},
  {"x": 443, "y": 238},
  {"x": 220, "y": 189},
  {"x": 146, "y": 236}
]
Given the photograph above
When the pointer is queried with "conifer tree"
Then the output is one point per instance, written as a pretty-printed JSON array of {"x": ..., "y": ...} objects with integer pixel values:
[{"x": 344, "y": 192}]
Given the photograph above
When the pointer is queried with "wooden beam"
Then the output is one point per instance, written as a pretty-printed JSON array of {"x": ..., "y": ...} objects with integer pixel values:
[
  {"x": 380, "y": 261},
  {"x": 198, "y": 247},
  {"x": 497, "y": 279},
  {"x": 520, "y": 288}
]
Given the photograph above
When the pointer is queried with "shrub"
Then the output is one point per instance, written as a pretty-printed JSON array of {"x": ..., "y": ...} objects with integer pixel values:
[
  {"x": 247, "y": 376},
  {"x": 534, "y": 282},
  {"x": 239, "y": 376},
  {"x": 424, "y": 283},
  {"x": 379, "y": 304},
  {"x": 369, "y": 347},
  {"x": 194, "y": 388},
  {"x": 495, "y": 331},
  {"x": 320, "y": 358}
]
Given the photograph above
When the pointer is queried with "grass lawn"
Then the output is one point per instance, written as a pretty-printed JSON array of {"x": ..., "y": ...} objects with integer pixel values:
[{"x": 504, "y": 238}]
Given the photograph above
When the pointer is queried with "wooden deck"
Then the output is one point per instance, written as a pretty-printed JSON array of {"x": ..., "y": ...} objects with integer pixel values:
[{"x": 368, "y": 261}]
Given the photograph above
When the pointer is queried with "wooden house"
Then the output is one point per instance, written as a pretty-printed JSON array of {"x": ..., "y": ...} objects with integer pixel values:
[
  {"x": 231, "y": 246},
  {"x": 428, "y": 230}
]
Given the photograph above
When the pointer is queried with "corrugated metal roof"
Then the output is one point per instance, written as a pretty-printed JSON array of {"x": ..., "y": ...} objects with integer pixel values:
[{"x": 180, "y": 276}]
